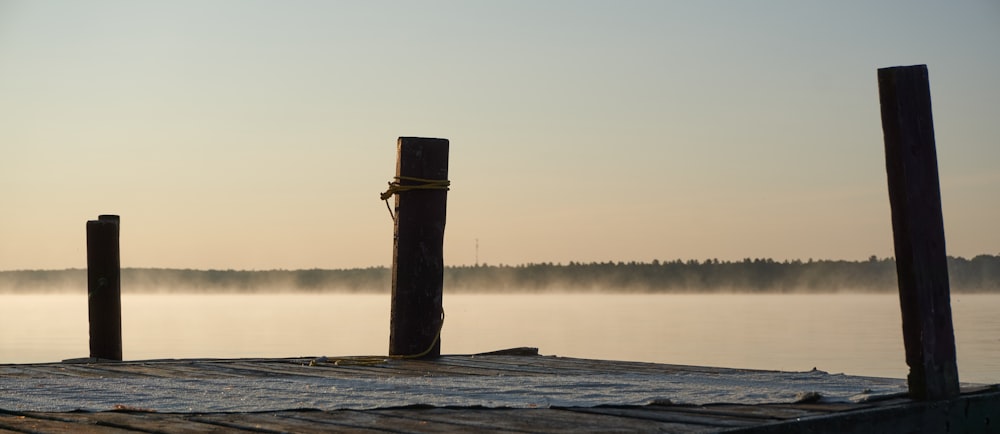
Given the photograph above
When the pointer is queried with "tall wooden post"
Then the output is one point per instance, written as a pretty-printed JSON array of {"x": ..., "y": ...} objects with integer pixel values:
[
  {"x": 104, "y": 288},
  {"x": 918, "y": 231},
  {"x": 417, "y": 257}
]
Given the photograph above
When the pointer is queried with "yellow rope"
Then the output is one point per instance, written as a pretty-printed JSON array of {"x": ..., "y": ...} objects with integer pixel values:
[
  {"x": 396, "y": 186},
  {"x": 378, "y": 360},
  {"x": 425, "y": 184}
]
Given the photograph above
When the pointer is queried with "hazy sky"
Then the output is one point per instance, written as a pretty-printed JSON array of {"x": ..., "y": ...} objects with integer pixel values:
[{"x": 258, "y": 134}]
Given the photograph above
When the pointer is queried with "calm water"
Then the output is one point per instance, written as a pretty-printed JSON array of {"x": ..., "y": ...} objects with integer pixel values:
[{"x": 854, "y": 334}]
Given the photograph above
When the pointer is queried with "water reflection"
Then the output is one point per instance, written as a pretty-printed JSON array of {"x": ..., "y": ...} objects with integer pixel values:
[{"x": 855, "y": 334}]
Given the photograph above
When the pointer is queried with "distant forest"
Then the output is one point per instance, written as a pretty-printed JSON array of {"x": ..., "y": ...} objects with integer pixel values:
[{"x": 979, "y": 274}]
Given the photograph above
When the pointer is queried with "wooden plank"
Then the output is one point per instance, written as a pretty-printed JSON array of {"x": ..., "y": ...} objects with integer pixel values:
[
  {"x": 106, "y": 369},
  {"x": 542, "y": 365},
  {"x": 383, "y": 421},
  {"x": 663, "y": 414},
  {"x": 90, "y": 370},
  {"x": 236, "y": 369},
  {"x": 329, "y": 368},
  {"x": 143, "y": 421},
  {"x": 646, "y": 367},
  {"x": 194, "y": 371},
  {"x": 532, "y": 420},
  {"x": 229, "y": 368},
  {"x": 763, "y": 411},
  {"x": 202, "y": 369},
  {"x": 565, "y": 366},
  {"x": 375, "y": 365},
  {"x": 570, "y": 364},
  {"x": 465, "y": 366},
  {"x": 10, "y": 370},
  {"x": 444, "y": 366},
  {"x": 351, "y": 368},
  {"x": 36, "y": 423},
  {"x": 48, "y": 371},
  {"x": 278, "y": 422},
  {"x": 820, "y": 407},
  {"x": 268, "y": 370},
  {"x": 506, "y": 366},
  {"x": 126, "y": 370}
]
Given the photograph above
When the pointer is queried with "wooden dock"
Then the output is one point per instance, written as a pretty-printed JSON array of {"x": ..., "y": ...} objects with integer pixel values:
[
  {"x": 520, "y": 409},
  {"x": 518, "y": 390}
]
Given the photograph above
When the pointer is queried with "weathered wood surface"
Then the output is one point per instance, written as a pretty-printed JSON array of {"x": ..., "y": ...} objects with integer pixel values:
[
  {"x": 416, "y": 315},
  {"x": 104, "y": 283},
  {"x": 976, "y": 410},
  {"x": 918, "y": 231}
]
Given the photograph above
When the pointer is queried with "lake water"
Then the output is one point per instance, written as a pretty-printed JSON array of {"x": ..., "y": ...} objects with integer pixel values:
[{"x": 850, "y": 333}]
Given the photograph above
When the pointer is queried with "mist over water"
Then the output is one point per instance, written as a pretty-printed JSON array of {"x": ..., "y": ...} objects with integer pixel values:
[
  {"x": 857, "y": 334},
  {"x": 762, "y": 275}
]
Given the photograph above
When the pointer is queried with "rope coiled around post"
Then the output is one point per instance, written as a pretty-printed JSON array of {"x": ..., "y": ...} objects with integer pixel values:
[{"x": 397, "y": 186}]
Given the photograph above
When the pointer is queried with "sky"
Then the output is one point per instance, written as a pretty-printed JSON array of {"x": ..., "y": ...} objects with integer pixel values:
[{"x": 249, "y": 134}]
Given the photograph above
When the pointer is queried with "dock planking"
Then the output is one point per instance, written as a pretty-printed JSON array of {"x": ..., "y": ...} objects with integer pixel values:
[{"x": 975, "y": 410}]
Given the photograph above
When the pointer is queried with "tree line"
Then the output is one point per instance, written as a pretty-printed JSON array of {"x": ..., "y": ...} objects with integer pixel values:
[{"x": 979, "y": 274}]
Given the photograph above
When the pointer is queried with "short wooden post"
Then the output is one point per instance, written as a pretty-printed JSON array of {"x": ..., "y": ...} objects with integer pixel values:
[
  {"x": 918, "y": 231},
  {"x": 104, "y": 288},
  {"x": 417, "y": 258}
]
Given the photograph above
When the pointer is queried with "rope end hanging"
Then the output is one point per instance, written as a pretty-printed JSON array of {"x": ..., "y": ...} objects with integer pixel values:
[{"x": 388, "y": 193}]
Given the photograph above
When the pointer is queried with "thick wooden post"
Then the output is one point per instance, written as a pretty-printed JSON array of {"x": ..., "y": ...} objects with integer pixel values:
[
  {"x": 918, "y": 231},
  {"x": 104, "y": 288},
  {"x": 417, "y": 257}
]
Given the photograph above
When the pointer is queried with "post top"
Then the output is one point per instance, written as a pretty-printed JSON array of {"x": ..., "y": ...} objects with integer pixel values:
[
  {"x": 421, "y": 139},
  {"x": 106, "y": 219},
  {"x": 903, "y": 67}
]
